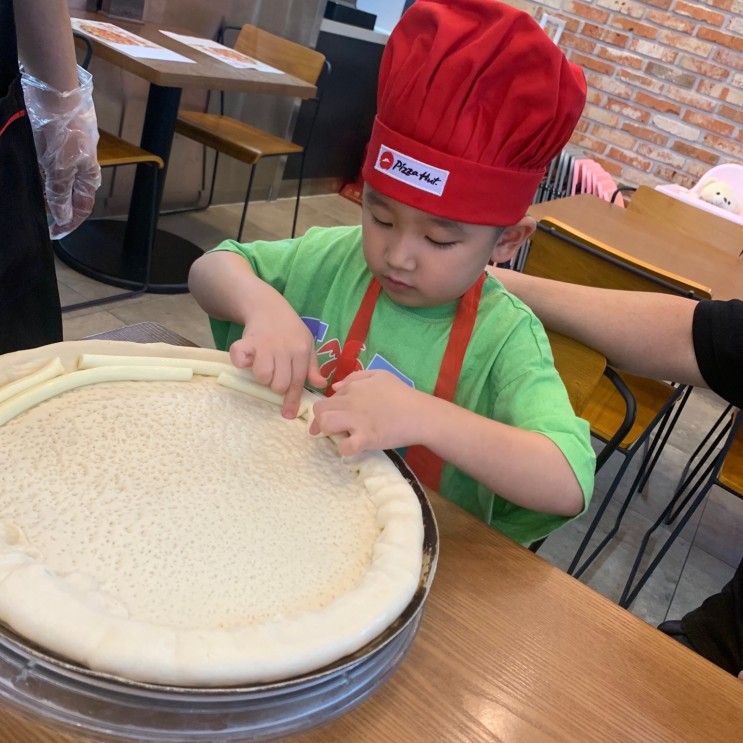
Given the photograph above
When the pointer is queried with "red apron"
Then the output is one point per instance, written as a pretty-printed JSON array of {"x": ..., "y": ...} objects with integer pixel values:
[{"x": 426, "y": 465}]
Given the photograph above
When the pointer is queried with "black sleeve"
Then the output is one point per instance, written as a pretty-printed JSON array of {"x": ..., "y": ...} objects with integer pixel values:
[
  {"x": 718, "y": 344},
  {"x": 715, "y": 629}
]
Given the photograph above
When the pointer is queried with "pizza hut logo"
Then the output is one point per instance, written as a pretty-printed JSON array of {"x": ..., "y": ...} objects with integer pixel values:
[
  {"x": 413, "y": 172},
  {"x": 386, "y": 160}
]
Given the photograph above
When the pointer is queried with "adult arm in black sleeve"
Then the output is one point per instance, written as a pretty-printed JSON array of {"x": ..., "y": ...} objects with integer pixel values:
[{"x": 718, "y": 345}]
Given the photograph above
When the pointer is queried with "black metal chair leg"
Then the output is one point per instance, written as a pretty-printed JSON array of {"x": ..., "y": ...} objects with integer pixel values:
[
  {"x": 199, "y": 207},
  {"x": 245, "y": 205},
  {"x": 214, "y": 179},
  {"x": 661, "y": 437},
  {"x": 662, "y": 416},
  {"x": 680, "y": 490},
  {"x": 630, "y": 405},
  {"x": 679, "y": 506},
  {"x": 534, "y": 546},
  {"x": 615, "y": 528},
  {"x": 689, "y": 473},
  {"x": 597, "y": 518},
  {"x": 628, "y": 596},
  {"x": 630, "y": 592},
  {"x": 148, "y": 260}
]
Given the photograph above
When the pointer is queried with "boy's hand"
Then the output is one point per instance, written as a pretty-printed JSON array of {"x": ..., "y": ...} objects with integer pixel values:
[
  {"x": 375, "y": 409},
  {"x": 280, "y": 350}
]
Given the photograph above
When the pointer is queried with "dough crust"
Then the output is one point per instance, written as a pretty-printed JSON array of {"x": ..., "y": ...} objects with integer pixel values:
[{"x": 72, "y": 614}]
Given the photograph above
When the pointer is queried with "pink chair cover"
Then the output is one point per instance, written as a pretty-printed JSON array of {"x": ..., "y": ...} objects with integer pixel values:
[{"x": 590, "y": 177}]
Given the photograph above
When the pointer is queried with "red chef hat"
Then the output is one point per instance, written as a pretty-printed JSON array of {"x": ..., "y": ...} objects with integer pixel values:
[{"x": 474, "y": 100}]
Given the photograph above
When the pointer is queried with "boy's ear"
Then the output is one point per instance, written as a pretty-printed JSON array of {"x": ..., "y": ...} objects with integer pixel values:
[{"x": 512, "y": 238}]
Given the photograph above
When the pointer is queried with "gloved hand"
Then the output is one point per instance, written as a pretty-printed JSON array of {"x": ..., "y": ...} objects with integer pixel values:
[{"x": 65, "y": 134}]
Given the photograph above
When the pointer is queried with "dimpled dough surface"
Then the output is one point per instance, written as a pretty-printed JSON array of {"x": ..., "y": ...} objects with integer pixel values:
[
  {"x": 177, "y": 530},
  {"x": 168, "y": 494}
]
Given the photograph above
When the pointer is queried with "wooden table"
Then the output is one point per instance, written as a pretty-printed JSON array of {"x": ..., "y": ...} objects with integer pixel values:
[
  {"x": 511, "y": 648},
  {"x": 114, "y": 251},
  {"x": 650, "y": 240},
  {"x": 695, "y": 222}
]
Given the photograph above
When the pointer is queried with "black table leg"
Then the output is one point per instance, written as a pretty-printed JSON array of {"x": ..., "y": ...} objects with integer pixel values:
[{"x": 113, "y": 251}]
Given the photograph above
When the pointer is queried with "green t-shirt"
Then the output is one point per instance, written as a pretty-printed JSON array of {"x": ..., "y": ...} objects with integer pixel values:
[{"x": 508, "y": 372}]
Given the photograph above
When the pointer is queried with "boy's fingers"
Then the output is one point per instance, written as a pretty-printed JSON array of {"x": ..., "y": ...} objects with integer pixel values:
[
  {"x": 263, "y": 368},
  {"x": 331, "y": 422},
  {"x": 350, "y": 445},
  {"x": 354, "y": 377},
  {"x": 314, "y": 377},
  {"x": 241, "y": 355},
  {"x": 294, "y": 393},
  {"x": 282, "y": 373}
]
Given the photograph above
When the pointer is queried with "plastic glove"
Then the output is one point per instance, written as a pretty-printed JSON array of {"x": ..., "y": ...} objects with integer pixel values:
[{"x": 65, "y": 134}]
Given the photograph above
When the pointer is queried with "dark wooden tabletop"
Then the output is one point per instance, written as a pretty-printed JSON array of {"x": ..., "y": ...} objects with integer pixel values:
[
  {"x": 205, "y": 72},
  {"x": 650, "y": 240}
]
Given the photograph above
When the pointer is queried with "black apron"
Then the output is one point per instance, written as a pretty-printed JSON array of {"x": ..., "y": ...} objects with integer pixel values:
[{"x": 29, "y": 299}]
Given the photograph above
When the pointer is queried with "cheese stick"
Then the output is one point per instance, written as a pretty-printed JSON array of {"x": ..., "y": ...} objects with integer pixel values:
[
  {"x": 50, "y": 370},
  {"x": 56, "y": 386}
]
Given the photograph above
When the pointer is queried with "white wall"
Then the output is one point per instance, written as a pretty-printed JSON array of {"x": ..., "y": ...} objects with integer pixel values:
[{"x": 388, "y": 12}]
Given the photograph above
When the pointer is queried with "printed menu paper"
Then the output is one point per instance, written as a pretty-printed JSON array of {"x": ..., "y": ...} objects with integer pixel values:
[
  {"x": 125, "y": 41},
  {"x": 222, "y": 53}
]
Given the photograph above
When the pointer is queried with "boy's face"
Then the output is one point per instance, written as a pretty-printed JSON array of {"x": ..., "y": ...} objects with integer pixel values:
[{"x": 422, "y": 260}]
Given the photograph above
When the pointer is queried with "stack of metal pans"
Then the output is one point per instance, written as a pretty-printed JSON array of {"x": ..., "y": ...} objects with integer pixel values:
[{"x": 106, "y": 707}]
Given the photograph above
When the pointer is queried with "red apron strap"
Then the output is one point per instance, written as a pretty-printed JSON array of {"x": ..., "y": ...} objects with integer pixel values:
[
  {"x": 427, "y": 465},
  {"x": 356, "y": 335}
]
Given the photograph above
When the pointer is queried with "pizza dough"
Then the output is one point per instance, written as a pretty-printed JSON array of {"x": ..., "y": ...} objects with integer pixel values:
[{"x": 176, "y": 529}]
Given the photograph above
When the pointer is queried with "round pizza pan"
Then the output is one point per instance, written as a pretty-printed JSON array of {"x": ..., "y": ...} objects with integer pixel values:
[{"x": 64, "y": 694}]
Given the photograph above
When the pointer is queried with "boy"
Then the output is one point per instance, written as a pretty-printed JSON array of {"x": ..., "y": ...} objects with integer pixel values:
[{"x": 417, "y": 347}]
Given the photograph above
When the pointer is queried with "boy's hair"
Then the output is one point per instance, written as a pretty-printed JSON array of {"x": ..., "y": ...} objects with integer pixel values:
[{"x": 474, "y": 100}]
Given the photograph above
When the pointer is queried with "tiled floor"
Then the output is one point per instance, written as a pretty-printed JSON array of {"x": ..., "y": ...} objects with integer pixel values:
[{"x": 701, "y": 560}]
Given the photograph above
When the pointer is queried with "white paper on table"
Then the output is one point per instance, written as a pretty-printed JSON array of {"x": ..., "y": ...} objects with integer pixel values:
[
  {"x": 222, "y": 53},
  {"x": 125, "y": 41}
]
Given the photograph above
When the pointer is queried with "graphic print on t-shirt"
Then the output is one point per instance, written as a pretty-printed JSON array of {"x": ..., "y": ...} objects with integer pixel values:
[{"x": 329, "y": 352}]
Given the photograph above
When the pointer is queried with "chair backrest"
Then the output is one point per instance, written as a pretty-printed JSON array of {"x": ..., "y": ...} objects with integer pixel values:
[
  {"x": 590, "y": 177},
  {"x": 557, "y": 178},
  {"x": 562, "y": 253},
  {"x": 579, "y": 367},
  {"x": 287, "y": 56},
  {"x": 697, "y": 223}
]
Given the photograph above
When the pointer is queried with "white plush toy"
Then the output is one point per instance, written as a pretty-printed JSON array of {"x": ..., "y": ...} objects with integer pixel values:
[{"x": 720, "y": 194}]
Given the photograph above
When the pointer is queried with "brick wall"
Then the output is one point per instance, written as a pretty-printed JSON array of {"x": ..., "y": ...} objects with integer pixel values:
[{"x": 665, "y": 84}]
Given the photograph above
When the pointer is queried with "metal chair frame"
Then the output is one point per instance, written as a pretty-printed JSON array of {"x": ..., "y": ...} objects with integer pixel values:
[
  {"x": 724, "y": 422},
  {"x": 659, "y": 428},
  {"x": 712, "y": 462},
  {"x": 327, "y": 71}
]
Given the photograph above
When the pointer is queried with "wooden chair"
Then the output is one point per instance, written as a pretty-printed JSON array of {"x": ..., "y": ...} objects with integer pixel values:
[
  {"x": 113, "y": 151},
  {"x": 580, "y": 368},
  {"x": 702, "y": 225},
  {"x": 240, "y": 140},
  {"x": 558, "y": 252},
  {"x": 724, "y": 467}
]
